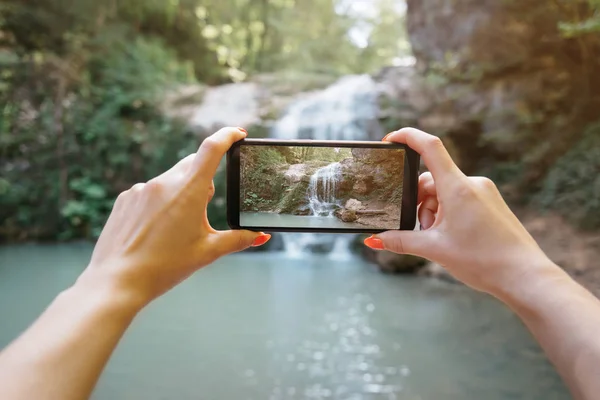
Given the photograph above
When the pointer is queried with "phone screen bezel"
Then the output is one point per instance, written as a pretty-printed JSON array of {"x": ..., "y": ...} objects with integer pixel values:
[{"x": 408, "y": 213}]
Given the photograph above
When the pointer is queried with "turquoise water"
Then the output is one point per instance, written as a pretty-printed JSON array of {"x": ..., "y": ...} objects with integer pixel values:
[
  {"x": 262, "y": 326},
  {"x": 263, "y": 219}
]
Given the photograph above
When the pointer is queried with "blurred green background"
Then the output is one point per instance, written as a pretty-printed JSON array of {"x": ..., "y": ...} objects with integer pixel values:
[{"x": 84, "y": 89}]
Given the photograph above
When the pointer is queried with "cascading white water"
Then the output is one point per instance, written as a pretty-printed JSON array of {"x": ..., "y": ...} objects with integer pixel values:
[
  {"x": 347, "y": 110},
  {"x": 322, "y": 190}
]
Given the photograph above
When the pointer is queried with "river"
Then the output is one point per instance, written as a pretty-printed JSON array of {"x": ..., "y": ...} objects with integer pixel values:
[{"x": 265, "y": 326}]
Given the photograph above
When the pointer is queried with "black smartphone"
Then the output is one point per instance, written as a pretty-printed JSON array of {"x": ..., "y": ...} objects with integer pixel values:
[{"x": 321, "y": 186}]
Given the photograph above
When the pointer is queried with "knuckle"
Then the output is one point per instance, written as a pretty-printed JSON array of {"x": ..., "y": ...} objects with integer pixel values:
[
  {"x": 211, "y": 144},
  {"x": 487, "y": 183},
  {"x": 434, "y": 142},
  {"x": 153, "y": 186},
  {"x": 483, "y": 183},
  {"x": 395, "y": 245},
  {"x": 242, "y": 242},
  {"x": 466, "y": 190},
  {"x": 138, "y": 187},
  {"x": 121, "y": 197}
]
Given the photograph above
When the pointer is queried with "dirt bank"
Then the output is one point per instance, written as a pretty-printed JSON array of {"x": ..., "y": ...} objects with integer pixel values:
[{"x": 576, "y": 251}]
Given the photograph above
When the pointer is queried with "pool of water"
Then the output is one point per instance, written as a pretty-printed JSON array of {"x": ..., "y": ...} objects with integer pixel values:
[
  {"x": 263, "y": 219},
  {"x": 264, "y": 326}
]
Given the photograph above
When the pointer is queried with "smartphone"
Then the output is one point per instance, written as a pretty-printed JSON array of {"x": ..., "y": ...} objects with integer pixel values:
[{"x": 321, "y": 186}]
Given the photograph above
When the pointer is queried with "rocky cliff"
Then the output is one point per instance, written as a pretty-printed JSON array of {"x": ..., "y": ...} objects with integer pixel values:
[{"x": 510, "y": 87}]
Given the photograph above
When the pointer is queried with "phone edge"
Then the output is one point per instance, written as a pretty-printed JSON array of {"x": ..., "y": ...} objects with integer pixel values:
[{"x": 408, "y": 211}]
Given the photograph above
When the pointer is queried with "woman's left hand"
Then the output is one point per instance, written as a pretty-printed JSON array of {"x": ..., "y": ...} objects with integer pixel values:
[{"x": 158, "y": 233}]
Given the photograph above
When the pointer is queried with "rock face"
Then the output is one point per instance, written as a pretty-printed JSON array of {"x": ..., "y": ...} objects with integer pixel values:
[{"x": 502, "y": 83}]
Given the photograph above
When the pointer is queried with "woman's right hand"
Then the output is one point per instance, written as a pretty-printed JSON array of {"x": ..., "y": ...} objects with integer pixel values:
[{"x": 465, "y": 224}]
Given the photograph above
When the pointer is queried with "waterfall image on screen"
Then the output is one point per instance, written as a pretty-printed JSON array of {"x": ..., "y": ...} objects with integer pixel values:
[{"x": 319, "y": 187}]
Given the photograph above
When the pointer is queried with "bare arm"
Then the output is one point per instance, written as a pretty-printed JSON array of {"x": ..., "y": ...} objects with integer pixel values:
[
  {"x": 63, "y": 353},
  {"x": 157, "y": 236},
  {"x": 468, "y": 228},
  {"x": 565, "y": 319}
]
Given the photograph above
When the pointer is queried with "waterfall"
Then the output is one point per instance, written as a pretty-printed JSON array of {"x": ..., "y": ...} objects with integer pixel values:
[
  {"x": 346, "y": 110},
  {"x": 322, "y": 190}
]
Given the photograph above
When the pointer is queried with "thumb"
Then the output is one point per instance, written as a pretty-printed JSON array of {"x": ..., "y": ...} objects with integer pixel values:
[
  {"x": 416, "y": 243},
  {"x": 234, "y": 241}
]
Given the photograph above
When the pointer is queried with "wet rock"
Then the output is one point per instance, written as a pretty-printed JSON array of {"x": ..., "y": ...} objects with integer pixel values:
[
  {"x": 304, "y": 210},
  {"x": 347, "y": 215}
]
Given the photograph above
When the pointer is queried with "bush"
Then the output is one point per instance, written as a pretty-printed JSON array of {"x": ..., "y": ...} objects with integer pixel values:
[
  {"x": 64, "y": 160},
  {"x": 573, "y": 185}
]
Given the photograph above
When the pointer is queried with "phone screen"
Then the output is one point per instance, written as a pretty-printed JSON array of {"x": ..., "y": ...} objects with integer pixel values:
[{"x": 321, "y": 187}]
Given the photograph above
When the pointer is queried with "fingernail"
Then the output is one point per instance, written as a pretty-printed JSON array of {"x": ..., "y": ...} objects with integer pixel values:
[
  {"x": 386, "y": 136},
  {"x": 243, "y": 130},
  {"x": 262, "y": 239},
  {"x": 374, "y": 243}
]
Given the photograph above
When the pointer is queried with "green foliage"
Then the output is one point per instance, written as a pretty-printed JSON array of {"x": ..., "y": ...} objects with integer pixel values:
[
  {"x": 590, "y": 23},
  {"x": 65, "y": 158},
  {"x": 87, "y": 211},
  {"x": 573, "y": 185}
]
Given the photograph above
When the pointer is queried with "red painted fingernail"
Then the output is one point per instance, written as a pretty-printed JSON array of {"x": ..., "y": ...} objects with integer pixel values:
[
  {"x": 243, "y": 130},
  {"x": 374, "y": 243},
  {"x": 262, "y": 239}
]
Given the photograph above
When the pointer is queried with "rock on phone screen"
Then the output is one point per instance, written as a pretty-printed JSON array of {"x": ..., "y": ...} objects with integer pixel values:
[{"x": 321, "y": 187}]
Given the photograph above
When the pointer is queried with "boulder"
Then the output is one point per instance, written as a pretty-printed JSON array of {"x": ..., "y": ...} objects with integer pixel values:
[
  {"x": 353, "y": 204},
  {"x": 295, "y": 173},
  {"x": 347, "y": 215}
]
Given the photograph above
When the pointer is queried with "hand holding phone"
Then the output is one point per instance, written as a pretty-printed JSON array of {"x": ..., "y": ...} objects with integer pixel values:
[{"x": 321, "y": 186}]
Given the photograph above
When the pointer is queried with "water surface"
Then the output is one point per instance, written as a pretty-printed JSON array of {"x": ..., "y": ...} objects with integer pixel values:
[
  {"x": 263, "y": 326},
  {"x": 265, "y": 219}
]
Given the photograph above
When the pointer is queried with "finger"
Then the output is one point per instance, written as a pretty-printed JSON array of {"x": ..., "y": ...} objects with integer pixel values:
[
  {"x": 179, "y": 169},
  {"x": 426, "y": 187},
  {"x": 137, "y": 188},
  {"x": 427, "y": 212},
  {"x": 211, "y": 191},
  {"x": 416, "y": 243},
  {"x": 432, "y": 150},
  {"x": 226, "y": 242},
  {"x": 426, "y": 218},
  {"x": 212, "y": 150}
]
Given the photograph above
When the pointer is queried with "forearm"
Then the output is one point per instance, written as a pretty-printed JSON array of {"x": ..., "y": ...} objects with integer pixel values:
[
  {"x": 63, "y": 353},
  {"x": 565, "y": 319}
]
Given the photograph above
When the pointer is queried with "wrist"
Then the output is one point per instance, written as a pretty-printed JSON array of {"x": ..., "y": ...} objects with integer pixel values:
[
  {"x": 539, "y": 279},
  {"x": 106, "y": 293}
]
